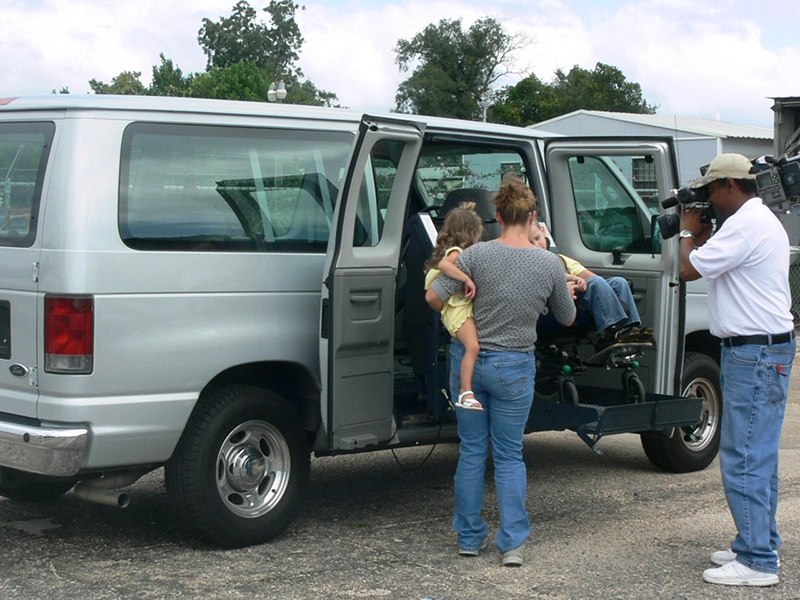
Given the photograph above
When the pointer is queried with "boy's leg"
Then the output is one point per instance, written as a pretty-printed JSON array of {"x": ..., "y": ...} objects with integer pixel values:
[
  {"x": 625, "y": 296},
  {"x": 603, "y": 303}
]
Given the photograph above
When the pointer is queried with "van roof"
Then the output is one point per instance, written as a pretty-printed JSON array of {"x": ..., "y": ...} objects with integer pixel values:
[{"x": 66, "y": 102}]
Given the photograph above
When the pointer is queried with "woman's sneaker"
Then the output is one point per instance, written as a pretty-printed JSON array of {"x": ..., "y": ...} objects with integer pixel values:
[{"x": 467, "y": 400}]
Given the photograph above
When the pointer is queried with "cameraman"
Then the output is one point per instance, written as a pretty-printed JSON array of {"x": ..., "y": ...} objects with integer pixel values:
[{"x": 747, "y": 266}]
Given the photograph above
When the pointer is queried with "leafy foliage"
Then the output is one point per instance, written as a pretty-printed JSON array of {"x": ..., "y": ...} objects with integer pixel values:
[
  {"x": 126, "y": 83},
  {"x": 168, "y": 80},
  {"x": 244, "y": 56},
  {"x": 456, "y": 69},
  {"x": 604, "y": 88},
  {"x": 242, "y": 38}
]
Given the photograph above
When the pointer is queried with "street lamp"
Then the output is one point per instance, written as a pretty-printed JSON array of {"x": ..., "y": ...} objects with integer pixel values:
[{"x": 276, "y": 92}]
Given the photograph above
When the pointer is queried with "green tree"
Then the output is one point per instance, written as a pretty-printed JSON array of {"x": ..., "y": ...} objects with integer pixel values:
[
  {"x": 244, "y": 55},
  {"x": 604, "y": 88},
  {"x": 308, "y": 93},
  {"x": 456, "y": 69},
  {"x": 126, "y": 83},
  {"x": 168, "y": 79},
  {"x": 243, "y": 38},
  {"x": 239, "y": 81}
]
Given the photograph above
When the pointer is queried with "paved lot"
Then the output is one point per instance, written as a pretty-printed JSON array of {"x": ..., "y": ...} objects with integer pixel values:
[{"x": 603, "y": 527}]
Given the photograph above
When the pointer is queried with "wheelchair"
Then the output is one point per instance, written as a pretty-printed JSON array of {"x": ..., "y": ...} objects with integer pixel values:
[{"x": 563, "y": 354}]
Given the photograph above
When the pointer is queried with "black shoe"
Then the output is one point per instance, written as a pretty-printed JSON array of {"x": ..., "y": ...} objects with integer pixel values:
[{"x": 636, "y": 334}]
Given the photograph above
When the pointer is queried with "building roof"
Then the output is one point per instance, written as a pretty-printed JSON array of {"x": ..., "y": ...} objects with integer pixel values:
[{"x": 696, "y": 125}]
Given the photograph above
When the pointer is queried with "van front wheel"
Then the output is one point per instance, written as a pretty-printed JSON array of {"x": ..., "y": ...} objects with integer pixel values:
[
  {"x": 241, "y": 468},
  {"x": 692, "y": 448}
]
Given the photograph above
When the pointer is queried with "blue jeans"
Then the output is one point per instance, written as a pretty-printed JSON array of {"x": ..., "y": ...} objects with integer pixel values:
[
  {"x": 503, "y": 383},
  {"x": 755, "y": 385},
  {"x": 610, "y": 301}
]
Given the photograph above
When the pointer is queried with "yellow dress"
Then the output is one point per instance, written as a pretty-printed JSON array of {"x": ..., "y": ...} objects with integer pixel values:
[{"x": 457, "y": 308}]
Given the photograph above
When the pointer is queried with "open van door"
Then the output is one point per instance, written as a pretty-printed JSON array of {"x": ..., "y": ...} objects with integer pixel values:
[
  {"x": 358, "y": 291},
  {"x": 603, "y": 195}
]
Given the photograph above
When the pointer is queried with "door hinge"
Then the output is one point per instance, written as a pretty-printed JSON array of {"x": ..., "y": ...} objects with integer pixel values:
[
  {"x": 33, "y": 378},
  {"x": 36, "y": 272}
]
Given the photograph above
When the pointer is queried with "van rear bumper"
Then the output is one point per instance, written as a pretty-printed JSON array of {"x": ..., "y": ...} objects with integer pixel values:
[{"x": 54, "y": 451}]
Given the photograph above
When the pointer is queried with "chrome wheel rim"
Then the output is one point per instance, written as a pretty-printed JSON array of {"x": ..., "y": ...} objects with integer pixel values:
[
  {"x": 253, "y": 468},
  {"x": 709, "y": 414}
]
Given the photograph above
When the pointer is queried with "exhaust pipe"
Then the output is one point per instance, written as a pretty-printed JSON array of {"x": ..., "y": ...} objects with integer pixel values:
[
  {"x": 103, "y": 490},
  {"x": 85, "y": 491}
]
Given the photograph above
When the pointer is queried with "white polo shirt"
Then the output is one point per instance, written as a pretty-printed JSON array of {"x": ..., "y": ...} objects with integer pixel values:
[{"x": 747, "y": 265}]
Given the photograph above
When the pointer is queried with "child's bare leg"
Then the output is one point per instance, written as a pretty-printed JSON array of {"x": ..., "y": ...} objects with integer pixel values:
[{"x": 468, "y": 336}]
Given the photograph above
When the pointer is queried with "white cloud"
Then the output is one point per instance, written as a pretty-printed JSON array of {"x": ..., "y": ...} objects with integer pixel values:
[{"x": 690, "y": 58}]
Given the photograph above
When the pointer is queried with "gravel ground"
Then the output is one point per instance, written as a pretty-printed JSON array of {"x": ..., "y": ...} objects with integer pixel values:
[{"x": 379, "y": 526}]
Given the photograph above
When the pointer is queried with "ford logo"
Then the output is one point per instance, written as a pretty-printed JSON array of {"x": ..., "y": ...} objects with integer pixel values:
[{"x": 18, "y": 370}]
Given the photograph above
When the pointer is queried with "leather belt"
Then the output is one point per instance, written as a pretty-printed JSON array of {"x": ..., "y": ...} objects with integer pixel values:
[{"x": 759, "y": 340}]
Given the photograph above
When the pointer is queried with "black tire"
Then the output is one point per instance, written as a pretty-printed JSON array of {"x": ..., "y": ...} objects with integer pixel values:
[
  {"x": 21, "y": 489},
  {"x": 241, "y": 468},
  {"x": 692, "y": 449},
  {"x": 569, "y": 392},
  {"x": 633, "y": 387}
]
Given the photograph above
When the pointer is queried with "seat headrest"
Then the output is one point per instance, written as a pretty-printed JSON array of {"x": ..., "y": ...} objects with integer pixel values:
[
  {"x": 482, "y": 199},
  {"x": 483, "y": 206}
]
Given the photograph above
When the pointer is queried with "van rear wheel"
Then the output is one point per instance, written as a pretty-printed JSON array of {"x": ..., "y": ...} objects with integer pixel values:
[
  {"x": 692, "y": 448},
  {"x": 241, "y": 469}
]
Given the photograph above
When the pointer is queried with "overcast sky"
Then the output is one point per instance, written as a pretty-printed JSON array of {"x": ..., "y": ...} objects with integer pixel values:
[{"x": 714, "y": 58}]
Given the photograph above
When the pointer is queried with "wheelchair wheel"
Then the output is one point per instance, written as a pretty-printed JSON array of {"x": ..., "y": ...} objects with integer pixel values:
[
  {"x": 569, "y": 392},
  {"x": 633, "y": 387}
]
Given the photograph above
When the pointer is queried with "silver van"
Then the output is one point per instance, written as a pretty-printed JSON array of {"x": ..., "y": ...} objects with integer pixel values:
[{"x": 222, "y": 288}]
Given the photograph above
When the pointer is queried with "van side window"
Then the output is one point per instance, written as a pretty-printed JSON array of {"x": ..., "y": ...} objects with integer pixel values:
[
  {"x": 24, "y": 149},
  {"x": 185, "y": 187},
  {"x": 610, "y": 197},
  {"x": 380, "y": 171},
  {"x": 447, "y": 166}
]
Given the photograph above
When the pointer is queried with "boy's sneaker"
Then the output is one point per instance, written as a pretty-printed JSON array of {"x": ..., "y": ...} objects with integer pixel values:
[
  {"x": 723, "y": 557},
  {"x": 735, "y": 573},
  {"x": 467, "y": 400},
  {"x": 635, "y": 334}
]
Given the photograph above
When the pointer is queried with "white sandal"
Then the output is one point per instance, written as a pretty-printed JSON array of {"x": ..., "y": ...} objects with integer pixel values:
[{"x": 468, "y": 403}]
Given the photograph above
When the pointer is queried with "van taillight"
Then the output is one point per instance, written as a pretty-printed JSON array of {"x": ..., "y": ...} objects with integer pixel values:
[{"x": 68, "y": 334}]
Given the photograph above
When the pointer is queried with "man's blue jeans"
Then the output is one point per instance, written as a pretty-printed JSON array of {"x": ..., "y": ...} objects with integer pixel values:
[
  {"x": 608, "y": 300},
  {"x": 755, "y": 385},
  {"x": 503, "y": 383}
]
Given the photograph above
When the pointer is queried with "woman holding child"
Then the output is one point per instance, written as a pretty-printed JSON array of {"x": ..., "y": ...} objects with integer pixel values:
[{"x": 514, "y": 281}]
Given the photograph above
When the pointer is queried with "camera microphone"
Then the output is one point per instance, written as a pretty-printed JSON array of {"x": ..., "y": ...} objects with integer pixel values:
[{"x": 669, "y": 202}]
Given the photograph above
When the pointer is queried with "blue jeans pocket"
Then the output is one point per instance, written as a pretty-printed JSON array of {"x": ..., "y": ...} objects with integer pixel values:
[
  {"x": 779, "y": 367},
  {"x": 513, "y": 377}
]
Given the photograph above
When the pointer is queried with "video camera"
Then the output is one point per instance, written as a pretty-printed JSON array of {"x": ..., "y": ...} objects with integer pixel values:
[
  {"x": 778, "y": 183},
  {"x": 687, "y": 197}
]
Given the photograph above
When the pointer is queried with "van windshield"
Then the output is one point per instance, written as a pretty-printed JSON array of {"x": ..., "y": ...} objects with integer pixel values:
[{"x": 24, "y": 148}]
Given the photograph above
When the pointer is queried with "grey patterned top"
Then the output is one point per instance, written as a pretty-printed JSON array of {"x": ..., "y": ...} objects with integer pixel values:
[{"x": 513, "y": 287}]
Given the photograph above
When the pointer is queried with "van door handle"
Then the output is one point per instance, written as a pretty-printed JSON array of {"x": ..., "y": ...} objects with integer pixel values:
[{"x": 364, "y": 298}]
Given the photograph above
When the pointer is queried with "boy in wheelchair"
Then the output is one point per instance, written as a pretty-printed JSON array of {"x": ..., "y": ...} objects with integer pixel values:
[{"x": 609, "y": 301}]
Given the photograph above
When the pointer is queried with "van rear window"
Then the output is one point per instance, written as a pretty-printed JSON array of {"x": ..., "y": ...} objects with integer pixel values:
[
  {"x": 215, "y": 188},
  {"x": 24, "y": 148}
]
